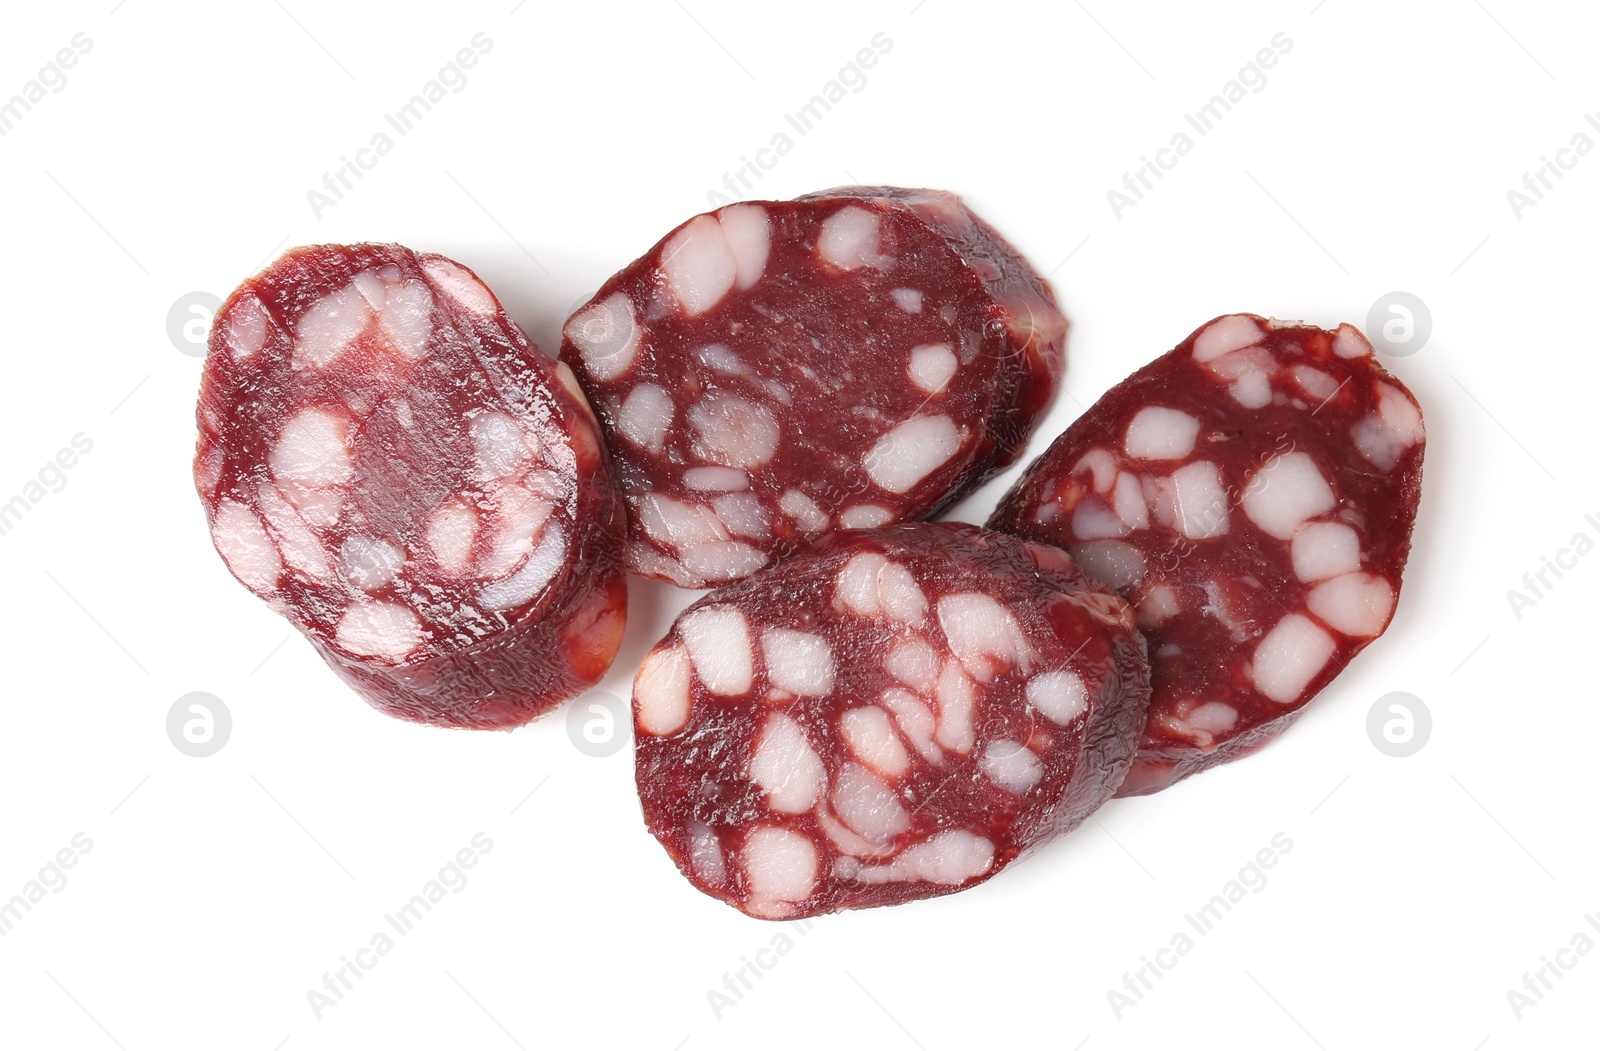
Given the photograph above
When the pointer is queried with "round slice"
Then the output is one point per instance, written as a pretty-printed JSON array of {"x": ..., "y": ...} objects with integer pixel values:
[
  {"x": 1252, "y": 494},
  {"x": 774, "y": 371},
  {"x": 388, "y": 462},
  {"x": 893, "y": 714}
]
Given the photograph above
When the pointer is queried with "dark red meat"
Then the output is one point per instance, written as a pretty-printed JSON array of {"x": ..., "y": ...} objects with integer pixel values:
[
  {"x": 773, "y": 371},
  {"x": 389, "y": 463},
  {"x": 892, "y": 714},
  {"x": 1252, "y": 494}
]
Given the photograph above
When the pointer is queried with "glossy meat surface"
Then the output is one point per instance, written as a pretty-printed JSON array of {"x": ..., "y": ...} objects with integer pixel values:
[
  {"x": 1252, "y": 494},
  {"x": 777, "y": 370},
  {"x": 894, "y": 714},
  {"x": 388, "y": 462}
]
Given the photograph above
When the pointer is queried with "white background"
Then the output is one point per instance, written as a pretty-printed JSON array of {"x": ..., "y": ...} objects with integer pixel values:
[{"x": 219, "y": 890}]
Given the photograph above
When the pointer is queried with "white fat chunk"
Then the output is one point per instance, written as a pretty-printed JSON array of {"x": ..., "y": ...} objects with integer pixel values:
[
  {"x": 733, "y": 431},
  {"x": 246, "y": 326},
  {"x": 1224, "y": 336},
  {"x": 645, "y": 416},
  {"x": 407, "y": 320},
  {"x": 519, "y": 516},
  {"x": 1159, "y": 605},
  {"x": 699, "y": 265},
  {"x": 678, "y": 524},
  {"x": 371, "y": 285},
  {"x": 245, "y": 547},
  {"x": 983, "y": 633},
  {"x": 661, "y": 691},
  {"x": 1093, "y": 520},
  {"x": 452, "y": 529},
  {"x": 606, "y": 335},
  {"x": 871, "y": 736},
  {"x": 378, "y": 629},
  {"x": 743, "y": 514},
  {"x": 718, "y": 638},
  {"x": 500, "y": 445},
  {"x": 870, "y": 585},
  {"x": 1289, "y": 656},
  {"x": 1159, "y": 433},
  {"x": 1349, "y": 342},
  {"x": 1127, "y": 500},
  {"x": 849, "y": 239},
  {"x": 780, "y": 865},
  {"x": 544, "y": 562},
  {"x": 931, "y": 367},
  {"x": 948, "y": 859},
  {"x": 330, "y": 325},
  {"x": 311, "y": 450},
  {"x": 749, "y": 236},
  {"x": 1059, "y": 696},
  {"x": 1321, "y": 550},
  {"x": 1315, "y": 382},
  {"x": 1011, "y": 766},
  {"x": 1288, "y": 490},
  {"x": 1200, "y": 500},
  {"x": 804, "y": 510},
  {"x": 719, "y": 357},
  {"x": 716, "y": 479},
  {"x": 914, "y": 662},
  {"x": 1354, "y": 604},
  {"x": 911, "y": 451},
  {"x": 1252, "y": 390},
  {"x": 798, "y": 662},
  {"x": 1101, "y": 465},
  {"x": 916, "y": 721},
  {"x": 1114, "y": 563},
  {"x": 297, "y": 544},
  {"x": 957, "y": 699},
  {"x": 461, "y": 286},
  {"x": 868, "y": 806},
  {"x": 1384, "y": 436},
  {"x": 1400, "y": 415},
  {"x": 705, "y": 854},
  {"x": 908, "y": 299},
  {"x": 369, "y": 564},
  {"x": 320, "y": 508},
  {"x": 865, "y": 516},
  {"x": 1212, "y": 718},
  {"x": 719, "y": 561},
  {"x": 786, "y": 767}
]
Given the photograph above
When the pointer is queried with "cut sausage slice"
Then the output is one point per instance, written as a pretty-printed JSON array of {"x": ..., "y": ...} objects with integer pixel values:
[
  {"x": 773, "y": 371},
  {"x": 1252, "y": 494},
  {"x": 892, "y": 714},
  {"x": 389, "y": 463}
]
